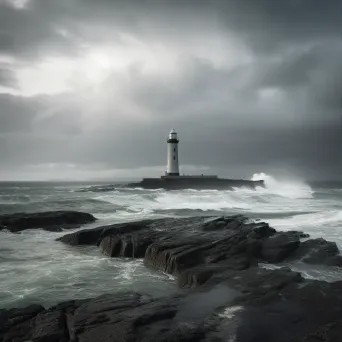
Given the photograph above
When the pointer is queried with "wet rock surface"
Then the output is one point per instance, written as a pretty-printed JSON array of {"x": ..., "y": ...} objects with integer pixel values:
[
  {"x": 250, "y": 305},
  {"x": 173, "y": 245},
  {"x": 224, "y": 295},
  {"x": 319, "y": 251},
  {"x": 51, "y": 220}
]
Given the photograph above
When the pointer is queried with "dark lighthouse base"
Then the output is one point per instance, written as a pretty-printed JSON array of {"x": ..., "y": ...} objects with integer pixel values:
[{"x": 195, "y": 182}]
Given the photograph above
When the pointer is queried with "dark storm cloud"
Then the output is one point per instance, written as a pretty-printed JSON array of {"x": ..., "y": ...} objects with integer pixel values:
[
  {"x": 269, "y": 26},
  {"x": 266, "y": 25},
  {"x": 26, "y": 33},
  {"x": 281, "y": 108}
]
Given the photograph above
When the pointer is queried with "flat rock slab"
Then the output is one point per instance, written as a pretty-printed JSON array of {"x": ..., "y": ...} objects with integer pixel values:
[
  {"x": 245, "y": 306},
  {"x": 175, "y": 245},
  {"x": 50, "y": 220}
]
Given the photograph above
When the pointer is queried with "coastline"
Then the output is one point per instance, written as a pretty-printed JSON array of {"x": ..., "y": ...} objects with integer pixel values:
[{"x": 216, "y": 263}]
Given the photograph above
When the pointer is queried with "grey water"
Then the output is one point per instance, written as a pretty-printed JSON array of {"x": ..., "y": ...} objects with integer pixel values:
[{"x": 34, "y": 268}]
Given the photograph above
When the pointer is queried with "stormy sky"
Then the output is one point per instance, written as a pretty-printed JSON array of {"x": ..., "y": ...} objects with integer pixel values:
[{"x": 90, "y": 88}]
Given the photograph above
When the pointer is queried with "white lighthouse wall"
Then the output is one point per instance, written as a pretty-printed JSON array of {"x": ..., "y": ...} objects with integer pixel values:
[{"x": 172, "y": 158}]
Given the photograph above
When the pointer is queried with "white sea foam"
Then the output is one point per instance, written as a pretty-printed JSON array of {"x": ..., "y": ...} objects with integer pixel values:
[
  {"x": 286, "y": 188},
  {"x": 230, "y": 312},
  {"x": 285, "y": 196},
  {"x": 47, "y": 271},
  {"x": 325, "y": 223},
  {"x": 286, "y": 204},
  {"x": 276, "y": 196}
]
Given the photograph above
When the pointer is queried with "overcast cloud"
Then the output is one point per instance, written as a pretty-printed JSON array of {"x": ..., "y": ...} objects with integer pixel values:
[{"x": 90, "y": 88}]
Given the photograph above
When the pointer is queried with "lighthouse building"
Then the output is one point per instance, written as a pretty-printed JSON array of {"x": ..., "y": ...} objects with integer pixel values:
[
  {"x": 173, "y": 181},
  {"x": 172, "y": 168}
]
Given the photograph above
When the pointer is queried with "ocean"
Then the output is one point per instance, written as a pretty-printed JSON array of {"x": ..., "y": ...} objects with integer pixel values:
[{"x": 34, "y": 268}]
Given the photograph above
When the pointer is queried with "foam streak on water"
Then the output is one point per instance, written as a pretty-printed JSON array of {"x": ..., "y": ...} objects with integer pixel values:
[{"x": 36, "y": 268}]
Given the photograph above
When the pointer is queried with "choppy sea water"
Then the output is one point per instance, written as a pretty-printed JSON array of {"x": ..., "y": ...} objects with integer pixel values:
[{"x": 34, "y": 268}]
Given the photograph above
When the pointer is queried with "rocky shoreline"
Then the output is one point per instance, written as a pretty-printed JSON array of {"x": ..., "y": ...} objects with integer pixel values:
[
  {"x": 224, "y": 295},
  {"x": 54, "y": 221}
]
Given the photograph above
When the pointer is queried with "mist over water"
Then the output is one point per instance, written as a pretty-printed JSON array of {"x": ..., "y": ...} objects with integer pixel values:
[{"x": 37, "y": 269}]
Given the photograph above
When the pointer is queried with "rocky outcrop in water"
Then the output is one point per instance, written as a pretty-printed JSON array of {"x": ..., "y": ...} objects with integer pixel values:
[
  {"x": 177, "y": 244},
  {"x": 224, "y": 295},
  {"x": 50, "y": 220},
  {"x": 195, "y": 182}
]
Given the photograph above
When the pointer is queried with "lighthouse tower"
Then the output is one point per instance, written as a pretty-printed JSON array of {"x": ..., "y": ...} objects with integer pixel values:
[{"x": 172, "y": 154}]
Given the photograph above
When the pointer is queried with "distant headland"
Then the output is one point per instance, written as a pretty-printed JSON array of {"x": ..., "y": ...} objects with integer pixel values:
[{"x": 172, "y": 180}]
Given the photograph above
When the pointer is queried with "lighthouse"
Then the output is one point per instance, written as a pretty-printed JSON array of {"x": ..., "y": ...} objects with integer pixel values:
[
  {"x": 173, "y": 181},
  {"x": 172, "y": 154}
]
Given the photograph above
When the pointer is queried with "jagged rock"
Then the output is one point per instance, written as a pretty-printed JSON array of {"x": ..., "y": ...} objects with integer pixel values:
[
  {"x": 279, "y": 246},
  {"x": 298, "y": 234},
  {"x": 334, "y": 261},
  {"x": 174, "y": 245},
  {"x": 95, "y": 235},
  {"x": 330, "y": 332},
  {"x": 50, "y": 220},
  {"x": 319, "y": 251},
  {"x": 173, "y": 255},
  {"x": 82, "y": 237},
  {"x": 178, "y": 252},
  {"x": 199, "y": 275},
  {"x": 222, "y": 222},
  {"x": 254, "y": 282},
  {"x": 128, "y": 245},
  {"x": 107, "y": 318},
  {"x": 260, "y": 230},
  {"x": 250, "y": 305},
  {"x": 9, "y": 318},
  {"x": 15, "y": 323},
  {"x": 50, "y": 326},
  {"x": 45, "y": 327}
]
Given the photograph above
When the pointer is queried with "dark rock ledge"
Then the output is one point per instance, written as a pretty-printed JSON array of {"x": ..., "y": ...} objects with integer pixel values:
[
  {"x": 224, "y": 295},
  {"x": 54, "y": 221}
]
